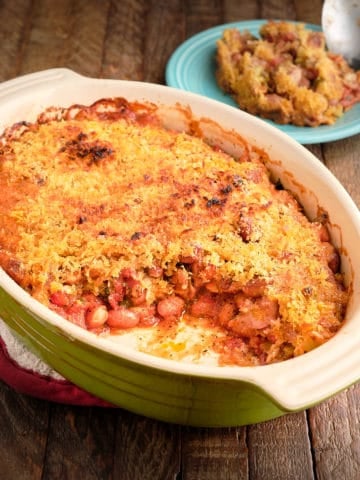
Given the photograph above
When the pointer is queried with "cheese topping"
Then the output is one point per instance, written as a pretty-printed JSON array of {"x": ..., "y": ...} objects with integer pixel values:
[{"x": 117, "y": 223}]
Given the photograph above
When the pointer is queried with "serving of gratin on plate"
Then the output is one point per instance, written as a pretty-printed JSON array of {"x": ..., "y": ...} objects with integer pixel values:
[
  {"x": 278, "y": 70},
  {"x": 286, "y": 75},
  {"x": 173, "y": 255}
]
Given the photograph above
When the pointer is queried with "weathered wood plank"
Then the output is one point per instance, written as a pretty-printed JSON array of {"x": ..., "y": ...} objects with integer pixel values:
[
  {"x": 280, "y": 449},
  {"x": 334, "y": 424},
  {"x": 211, "y": 454},
  {"x": 309, "y": 12},
  {"x": 68, "y": 33},
  {"x": 80, "y": 443},
  {"x": 335, "y": 433},
  {"x": 170, "y": 21},
  {"x": 124, "y": 42},
  {"x": 146, "y": 449},
  {"x": 134, "y": 50},
  {"x": 87, "y": 35},
  {"x": 15, "y": 24},
  {"x": 133, "y": 39},
  {"x": 203, "y": 14},
  {"x": 240, "y": 11},
  {"x": 275, "y": 9},
  {"x": 23, "y": 435},
  {"x": 342, "y": 158}
]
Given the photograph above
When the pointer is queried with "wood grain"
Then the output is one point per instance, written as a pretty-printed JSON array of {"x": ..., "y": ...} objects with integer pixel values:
[
  {"x": 335, "y": 434},
  {"x": 342, "y": 158},
  {"x": 241, "y": 11},
  {"x": 80, "y": 443},
  {"x": 24, "y": 424},
  {"x": 171, "y": 22},
  {"x": 203, "y": 14},
  {"x": 290, "y": 434},
  {"x": 206, "y": 452},
  {"x": 123, "y": 59},
  {"x": 133, "y": 39},
  {"x": 15, "y": 26},
  {"x": 146, "y": 449}
]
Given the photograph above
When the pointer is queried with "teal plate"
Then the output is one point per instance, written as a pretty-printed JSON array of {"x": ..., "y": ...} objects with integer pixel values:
[{"x": 192, "y": 67}]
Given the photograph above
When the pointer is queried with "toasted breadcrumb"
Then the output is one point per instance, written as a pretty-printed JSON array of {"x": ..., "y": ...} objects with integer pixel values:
[
  {"x": 116, "y": 223},
  {"x": 286, "y": 75}
]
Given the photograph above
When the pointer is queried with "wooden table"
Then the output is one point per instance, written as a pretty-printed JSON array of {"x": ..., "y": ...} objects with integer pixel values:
[{"x": 133, "y": 39}]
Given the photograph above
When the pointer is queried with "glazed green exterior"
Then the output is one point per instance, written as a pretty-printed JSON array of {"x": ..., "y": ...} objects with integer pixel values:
[{"x": 158, "y": 394}]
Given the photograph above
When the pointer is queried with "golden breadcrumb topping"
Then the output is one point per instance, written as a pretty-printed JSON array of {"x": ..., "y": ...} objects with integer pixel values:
[
  {"x": 286, "y": 75},
  {"x": 118, "y": 223}
]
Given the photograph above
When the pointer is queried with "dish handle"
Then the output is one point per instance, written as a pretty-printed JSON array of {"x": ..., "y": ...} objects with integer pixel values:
[{"x": 16, "y": 86}]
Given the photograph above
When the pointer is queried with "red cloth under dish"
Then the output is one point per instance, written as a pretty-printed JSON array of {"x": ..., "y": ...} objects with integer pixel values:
[{"x": 32, "y": 383}]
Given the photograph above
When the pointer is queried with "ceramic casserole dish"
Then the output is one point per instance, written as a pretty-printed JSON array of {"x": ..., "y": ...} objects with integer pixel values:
[{"x": 180, "y": 392}]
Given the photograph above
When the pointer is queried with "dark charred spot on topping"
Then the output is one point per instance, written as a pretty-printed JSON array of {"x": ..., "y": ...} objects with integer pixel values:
[
  {"x": 137, "y": 235},
  {"x": 279, "y": 185},
  {"x": 214, "y": 201},
  {"x": 22, "y": 124},
  {"x": 307, "y": 291},
  {"x": 98, "y": 153},
  {"x": 82, "y": 219},
  {"x": 40, "y": 181},
  {"x": 189, "y": 204},
  {"x": 102, "y": 233},
  {"x": 82, "y": 136},
  {"x": 80, "y": 147},
  {"x": 226, "y": 190}
]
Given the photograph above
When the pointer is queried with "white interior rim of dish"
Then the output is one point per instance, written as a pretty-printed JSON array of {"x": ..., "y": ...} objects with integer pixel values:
[{"x": 294, "y": 384}]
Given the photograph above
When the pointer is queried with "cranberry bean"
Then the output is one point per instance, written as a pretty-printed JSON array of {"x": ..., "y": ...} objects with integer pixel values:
[
  {"x": 61, "y": 299},
  {"x": 128, "y": 273},
  {"x": 146, "y": 316},
  {"x": 96, "y": 317},
  {"x": 122, "y": 318},
  {"x": 204, "y": 306},
  {"x": 171, "y": 307},
  {"x": 155, "y": 272},
  {"x": 257, "y": 315},
  {"x": 226, "y": 313}
]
